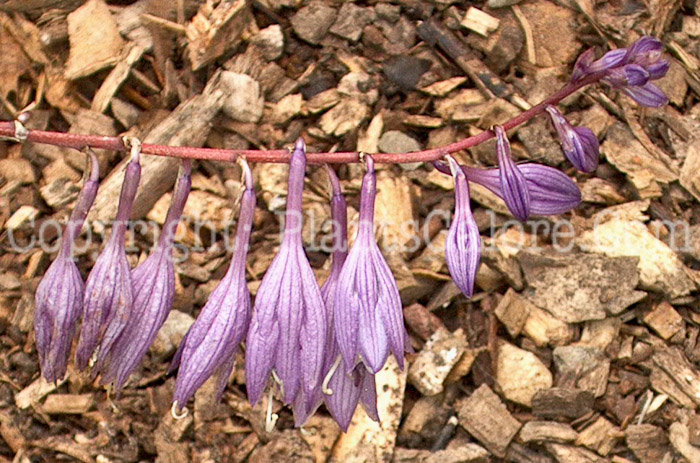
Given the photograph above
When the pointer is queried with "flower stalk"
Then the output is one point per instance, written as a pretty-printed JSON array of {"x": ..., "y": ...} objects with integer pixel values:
[{"x": 78, "y": 141}]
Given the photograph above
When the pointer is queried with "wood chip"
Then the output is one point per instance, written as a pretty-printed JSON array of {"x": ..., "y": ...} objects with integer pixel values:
[
  {"x": 215, "y": 28},
  {"x": 75, "y": 404},
  {"x": 443, "y": 87},
  {"x": 434, "y": 362},
  {"x": 21, "y": 216},
  {"x": 561, "y": 402},
  {"x": 587, "y": 367},
  {"x": 547, "y": 431},
  {"x": 570, "y": 454},
  {"x": 32, "y": 394},
  {"x": 480, "y": 22},
  {"x": 580, "y": 287},
  {"x": 95, "y": 42},
  {"x": 664, "y": 319},
  {"x": 110, "y": 86},
  {"x": 680, "y": 439},
  {"x": 513, "y": 311},
  {"x": 626, "y": 153},
  {"x": 658, "y": 265},
  {"x": 601, "y": 436},
  {"x": 520, "y": 374},
  {"x": 486, "y": 418},
  {"x": 649, "y": 443},
  {"x": 544, "y": 328},
  {"x": 673, "y": 362}
]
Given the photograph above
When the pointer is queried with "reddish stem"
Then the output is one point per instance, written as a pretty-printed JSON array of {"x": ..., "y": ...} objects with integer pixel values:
[{"x": 70, "y": 140}]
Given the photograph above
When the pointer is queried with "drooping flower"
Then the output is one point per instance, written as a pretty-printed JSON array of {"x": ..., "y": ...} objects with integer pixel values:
[
  {"x": 153, "y": 285},
  {"x": 580, "y": 145},
  {"x": 108, "y": 291},
  {"x": 59, "y": 296},
  {"x": 630, "y": 70},
  {"x": 551, "y": 191},
  {"x": 288, "y": 329},
  {"x": 368, "y": 316},
  {"x": 212, "y": 341},
  {"x": 513, "y": 185},
  {"x": 341, "y": 389},
  {"x": 463, "y": 246}
]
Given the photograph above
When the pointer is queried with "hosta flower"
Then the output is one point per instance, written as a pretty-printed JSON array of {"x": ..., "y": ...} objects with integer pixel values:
[
  {"x": 551, "y": 191},
  {"x": 368, "y": 313},
  {"x": 108, "y": 293},
  {"x": 288, "y": 330},
  {"x": 580, "y": 145},
  {"x": 153, "y": 284},
  {"x": 513, "y": 185},
  {"x": 342, "y": 389},
  {"x": 629, "y": 69},
  {"x": 212, "y": 341},
  {"x": 463, "y": 246},
  {"x": 59, "y": 296}
]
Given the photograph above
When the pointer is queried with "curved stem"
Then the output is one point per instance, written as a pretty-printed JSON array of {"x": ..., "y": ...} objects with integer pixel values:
[{"x": 77, "y": 141}]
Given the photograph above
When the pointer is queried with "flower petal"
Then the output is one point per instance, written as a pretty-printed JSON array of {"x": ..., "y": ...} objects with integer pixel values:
[{"x": 513, "y": 186}]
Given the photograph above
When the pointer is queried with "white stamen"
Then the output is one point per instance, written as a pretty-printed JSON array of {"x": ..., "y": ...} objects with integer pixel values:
[
  {"x": 178, "y": 416},
  {"x": 324, "y": 386},
  {"x": 278, "y": 381},
  {"x": 270, "y": 418}
]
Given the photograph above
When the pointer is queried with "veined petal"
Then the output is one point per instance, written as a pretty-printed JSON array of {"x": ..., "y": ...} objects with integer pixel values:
[
  {"x": 580, "y": 145},
  {"x": 463, "y": 245},
  {"x": 513, "y": 185},
  {"x": 647, "y": 95},
  {"x": 108, "y": 292},
  {"x": 212, "y": 341},
  {"x": 368, "y": 314},
  {"x": 645, "y": 50},
  {"x": 551, "y": 191},
  {"x": 153, "y": 284},
  {"x": 59, "y": 302},
  {"x": 59, "y": 296},
  {"x": 288, "y": 331}
]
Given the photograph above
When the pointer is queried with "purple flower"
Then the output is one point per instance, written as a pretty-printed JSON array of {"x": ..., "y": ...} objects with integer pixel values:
[
  {"x": 59, "y": 296},
  {"x": 580, "y": 145},
  {"x": 153, "y": 286},
  {"x": 288, "y": 330},
  {"x": 629, "y": 69},
  {"x": 586, "y": 64},
  {"x": 212, "y": 341},
  {"x": 648, "y": 95},
  {"x": 368, "y": 313},
  {"x": 630, "y": 75},
  {"x": 108, "y": 292},
  {"x": 513, "y": 185},
  {"x": 551, "y": 191},
  {"x": 463, "y": 246},
  {"x": 342, "y": 389}
]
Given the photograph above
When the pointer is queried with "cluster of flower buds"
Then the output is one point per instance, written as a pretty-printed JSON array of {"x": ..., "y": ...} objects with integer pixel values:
[
  {"x": 629, "y": 69},
  {"x": 316, "y": 344}
]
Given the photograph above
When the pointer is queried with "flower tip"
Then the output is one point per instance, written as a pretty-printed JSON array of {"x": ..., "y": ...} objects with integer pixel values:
[
  {"x": 369, "y": 163},
  {"x": 247, "y": 174},
  {"x": 455, "y": 168},
  {"x": 94, "y": 167},
  {"x": 300, "y": 145}
]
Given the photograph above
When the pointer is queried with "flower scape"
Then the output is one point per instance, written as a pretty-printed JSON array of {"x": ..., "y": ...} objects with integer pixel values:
[{"x": 309, "y": 342}]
